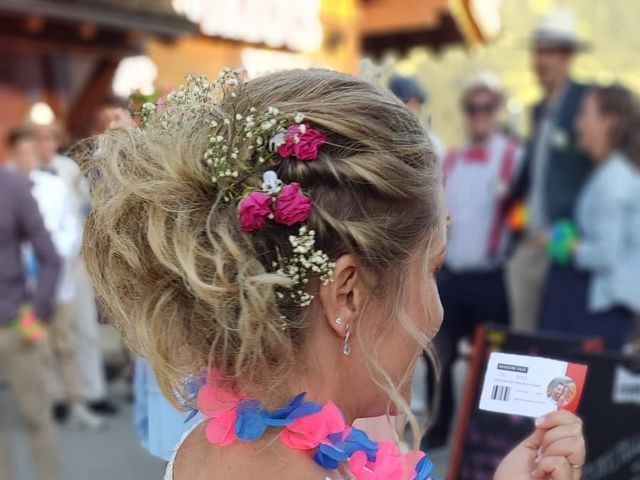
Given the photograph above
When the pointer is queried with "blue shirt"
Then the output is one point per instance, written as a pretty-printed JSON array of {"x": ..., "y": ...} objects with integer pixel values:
[
  {"x": 159, "y": 426},
  {"x": 608, "y": 217}
]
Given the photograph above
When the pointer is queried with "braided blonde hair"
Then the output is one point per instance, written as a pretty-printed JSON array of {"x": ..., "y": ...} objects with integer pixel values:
[{"x": 188, "y": 289}]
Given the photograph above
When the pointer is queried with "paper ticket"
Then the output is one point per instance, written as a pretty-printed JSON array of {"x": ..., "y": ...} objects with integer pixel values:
[{"x": 531, "y": 386}]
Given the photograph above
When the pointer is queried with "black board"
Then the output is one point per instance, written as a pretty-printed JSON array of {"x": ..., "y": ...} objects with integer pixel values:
[
  {"x": 483, "y": 438},
  {"x": 610, "y": 408}
]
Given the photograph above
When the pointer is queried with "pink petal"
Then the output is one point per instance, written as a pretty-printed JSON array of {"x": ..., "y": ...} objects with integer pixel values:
[
  {"x": 389, "y": 463},
  {"x": 212, "y": 399},
  {"x": 357, "y": 464},
  {"x": 216, "y": 397},
  {"x": 411, "y": 460},
  {"x": 297, "y": 440},
  {"x": 308, "y": 432},
  {"x": 333, "y": 417},
  {"x": 222, "y": 432}
]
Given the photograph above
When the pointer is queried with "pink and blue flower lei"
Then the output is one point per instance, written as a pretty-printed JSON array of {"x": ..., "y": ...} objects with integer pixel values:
[{"x": 306, "y": 426}]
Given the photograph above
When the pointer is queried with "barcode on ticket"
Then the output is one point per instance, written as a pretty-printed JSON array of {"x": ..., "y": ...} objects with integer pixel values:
[{"x": 500, "y": 393}]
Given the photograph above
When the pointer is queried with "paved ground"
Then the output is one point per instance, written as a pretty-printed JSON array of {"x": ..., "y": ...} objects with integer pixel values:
[{"x": 113, "y": 454}]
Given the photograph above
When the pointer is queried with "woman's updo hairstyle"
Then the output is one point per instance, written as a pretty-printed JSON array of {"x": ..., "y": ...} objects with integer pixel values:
[
  {"x": 181, "y": 281},
  {"x": 621, "y": 103}
]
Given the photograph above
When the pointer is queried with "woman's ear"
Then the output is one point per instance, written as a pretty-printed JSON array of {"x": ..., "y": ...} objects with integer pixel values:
[{"x": 342, "y": 299}]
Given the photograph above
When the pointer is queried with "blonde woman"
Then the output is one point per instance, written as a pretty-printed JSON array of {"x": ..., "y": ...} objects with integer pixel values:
[{"x": 276, "y": 242}]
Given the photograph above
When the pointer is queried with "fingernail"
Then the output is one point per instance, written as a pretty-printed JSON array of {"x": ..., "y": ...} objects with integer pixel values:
[
  {"x": 538, "y": 456},
  {"x": 540, "y": 421}
]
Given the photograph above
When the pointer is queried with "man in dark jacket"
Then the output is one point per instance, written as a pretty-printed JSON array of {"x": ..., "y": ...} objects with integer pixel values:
[
  {"x": 555, "y": 168},
  {"x": 23, "y": 349}
]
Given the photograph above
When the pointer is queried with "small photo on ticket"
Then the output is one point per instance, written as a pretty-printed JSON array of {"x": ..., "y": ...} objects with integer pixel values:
[{"x": 531, "y": 386}]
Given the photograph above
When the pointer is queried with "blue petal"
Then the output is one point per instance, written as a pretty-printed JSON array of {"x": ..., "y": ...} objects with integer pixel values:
[
  {"x": 279, "y": 422},
  {"x": 193, "y": 385},
  {"x": 252, "y": 420},
  {"x": 296, "y": 408},
  {"x": 307, "y": 408},
  {"x": 341, "y": 449},
  {"x": 424, "y": 469},
  {"x": 192, "y": 414},
  {"x": 360, "y": 441},
  {"x": 284, "y": 412},
  {"x": 324, "y": 460},
  {"x": 191, "y": 389},
  {"x": 361, "y": 438},
  {"x": 334, "y": 453}
]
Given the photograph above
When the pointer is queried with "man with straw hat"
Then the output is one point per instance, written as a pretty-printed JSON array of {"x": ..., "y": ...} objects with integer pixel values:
[
  {"x": 555, "y": 168},
  {"x": 477, "y": 177}
]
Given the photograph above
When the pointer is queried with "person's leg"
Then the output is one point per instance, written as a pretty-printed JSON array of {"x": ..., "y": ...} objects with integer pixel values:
[
  {"x": 564, "y": 303},
  {"x": 525, "y": 276},
  {"x": 90, "y": 364},
  {"x": 6, "y": 458},
  {"x": 446, "y": 344},
  {"x": 488, "y": 300},
  {"x": 61, "y": 339},
  {"x": 27, "y": 367}
]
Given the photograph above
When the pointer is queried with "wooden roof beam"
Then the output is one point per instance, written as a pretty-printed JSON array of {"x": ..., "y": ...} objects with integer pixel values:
[{"x": 387, "y": 16}]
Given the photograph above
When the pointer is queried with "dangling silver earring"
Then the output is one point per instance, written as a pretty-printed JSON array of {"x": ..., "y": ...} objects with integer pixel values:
[
  {"x": 339, "y": 321},
  {"x": 346, "y": 349}
]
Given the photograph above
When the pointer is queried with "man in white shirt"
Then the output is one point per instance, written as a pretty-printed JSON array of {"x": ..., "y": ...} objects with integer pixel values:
[
  {"x": 53, "y": 199},
  {"x": 477, "y": 178},
  {"x": 90, "y": 363}
]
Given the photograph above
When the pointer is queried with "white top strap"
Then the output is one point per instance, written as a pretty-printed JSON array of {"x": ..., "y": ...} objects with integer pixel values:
[{"x": 168, "y": 474}]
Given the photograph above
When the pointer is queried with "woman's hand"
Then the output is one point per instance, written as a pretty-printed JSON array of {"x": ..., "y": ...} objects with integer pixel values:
[{"x": 554, "y": 451}]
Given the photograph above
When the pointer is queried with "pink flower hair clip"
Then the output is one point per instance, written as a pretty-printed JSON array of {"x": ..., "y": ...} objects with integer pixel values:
[
  {"x": 285, "y": 204},
  {"x": 301, "y": 141},
  {"x": 241, "y": 148}
]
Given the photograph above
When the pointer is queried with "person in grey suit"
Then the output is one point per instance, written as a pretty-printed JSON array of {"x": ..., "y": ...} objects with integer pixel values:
[
  {"x": 555, "y": 166},
  {"x": 598, "y": 294},
  {"x": 24, "y": 354}
]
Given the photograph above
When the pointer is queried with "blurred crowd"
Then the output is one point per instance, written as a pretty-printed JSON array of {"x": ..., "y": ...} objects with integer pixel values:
[
  {"x": 544, "y": 236},
  {"x": 50, "y": 351},
  {"x": 544, "y": 233}
]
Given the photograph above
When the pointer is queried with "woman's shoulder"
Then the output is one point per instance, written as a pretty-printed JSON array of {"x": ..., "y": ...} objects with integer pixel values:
[
  {"x": 618, "y": 178},
  {"x": 619, "y": 167},
  {"x": 189, "y": 433},
  {"x": 197, "y": 459}
]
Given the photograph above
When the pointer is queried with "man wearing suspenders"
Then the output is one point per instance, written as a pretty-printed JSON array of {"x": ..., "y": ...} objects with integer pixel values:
[{"x": 477, "y": 178}]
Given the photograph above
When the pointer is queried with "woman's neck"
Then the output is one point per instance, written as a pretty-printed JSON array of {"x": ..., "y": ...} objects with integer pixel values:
[
  {"x": 322, "y": 390},
  {"x": 600, "y": 157}
]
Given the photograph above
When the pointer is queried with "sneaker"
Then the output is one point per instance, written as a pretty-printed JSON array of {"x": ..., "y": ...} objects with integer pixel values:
[
  {"x": 60, "y": 412},
  {"x": 81, "y": 418},
  {"x": 103, "y": 407}
]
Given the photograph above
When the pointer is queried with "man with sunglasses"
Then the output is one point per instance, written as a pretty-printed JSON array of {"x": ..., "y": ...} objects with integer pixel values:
[{"x": 477, "y": 178}]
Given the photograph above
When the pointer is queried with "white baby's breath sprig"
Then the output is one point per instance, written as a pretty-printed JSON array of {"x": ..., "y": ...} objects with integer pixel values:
[
  {"x": 239, "y": 146},
  {"x": 305, "y": 262}
]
